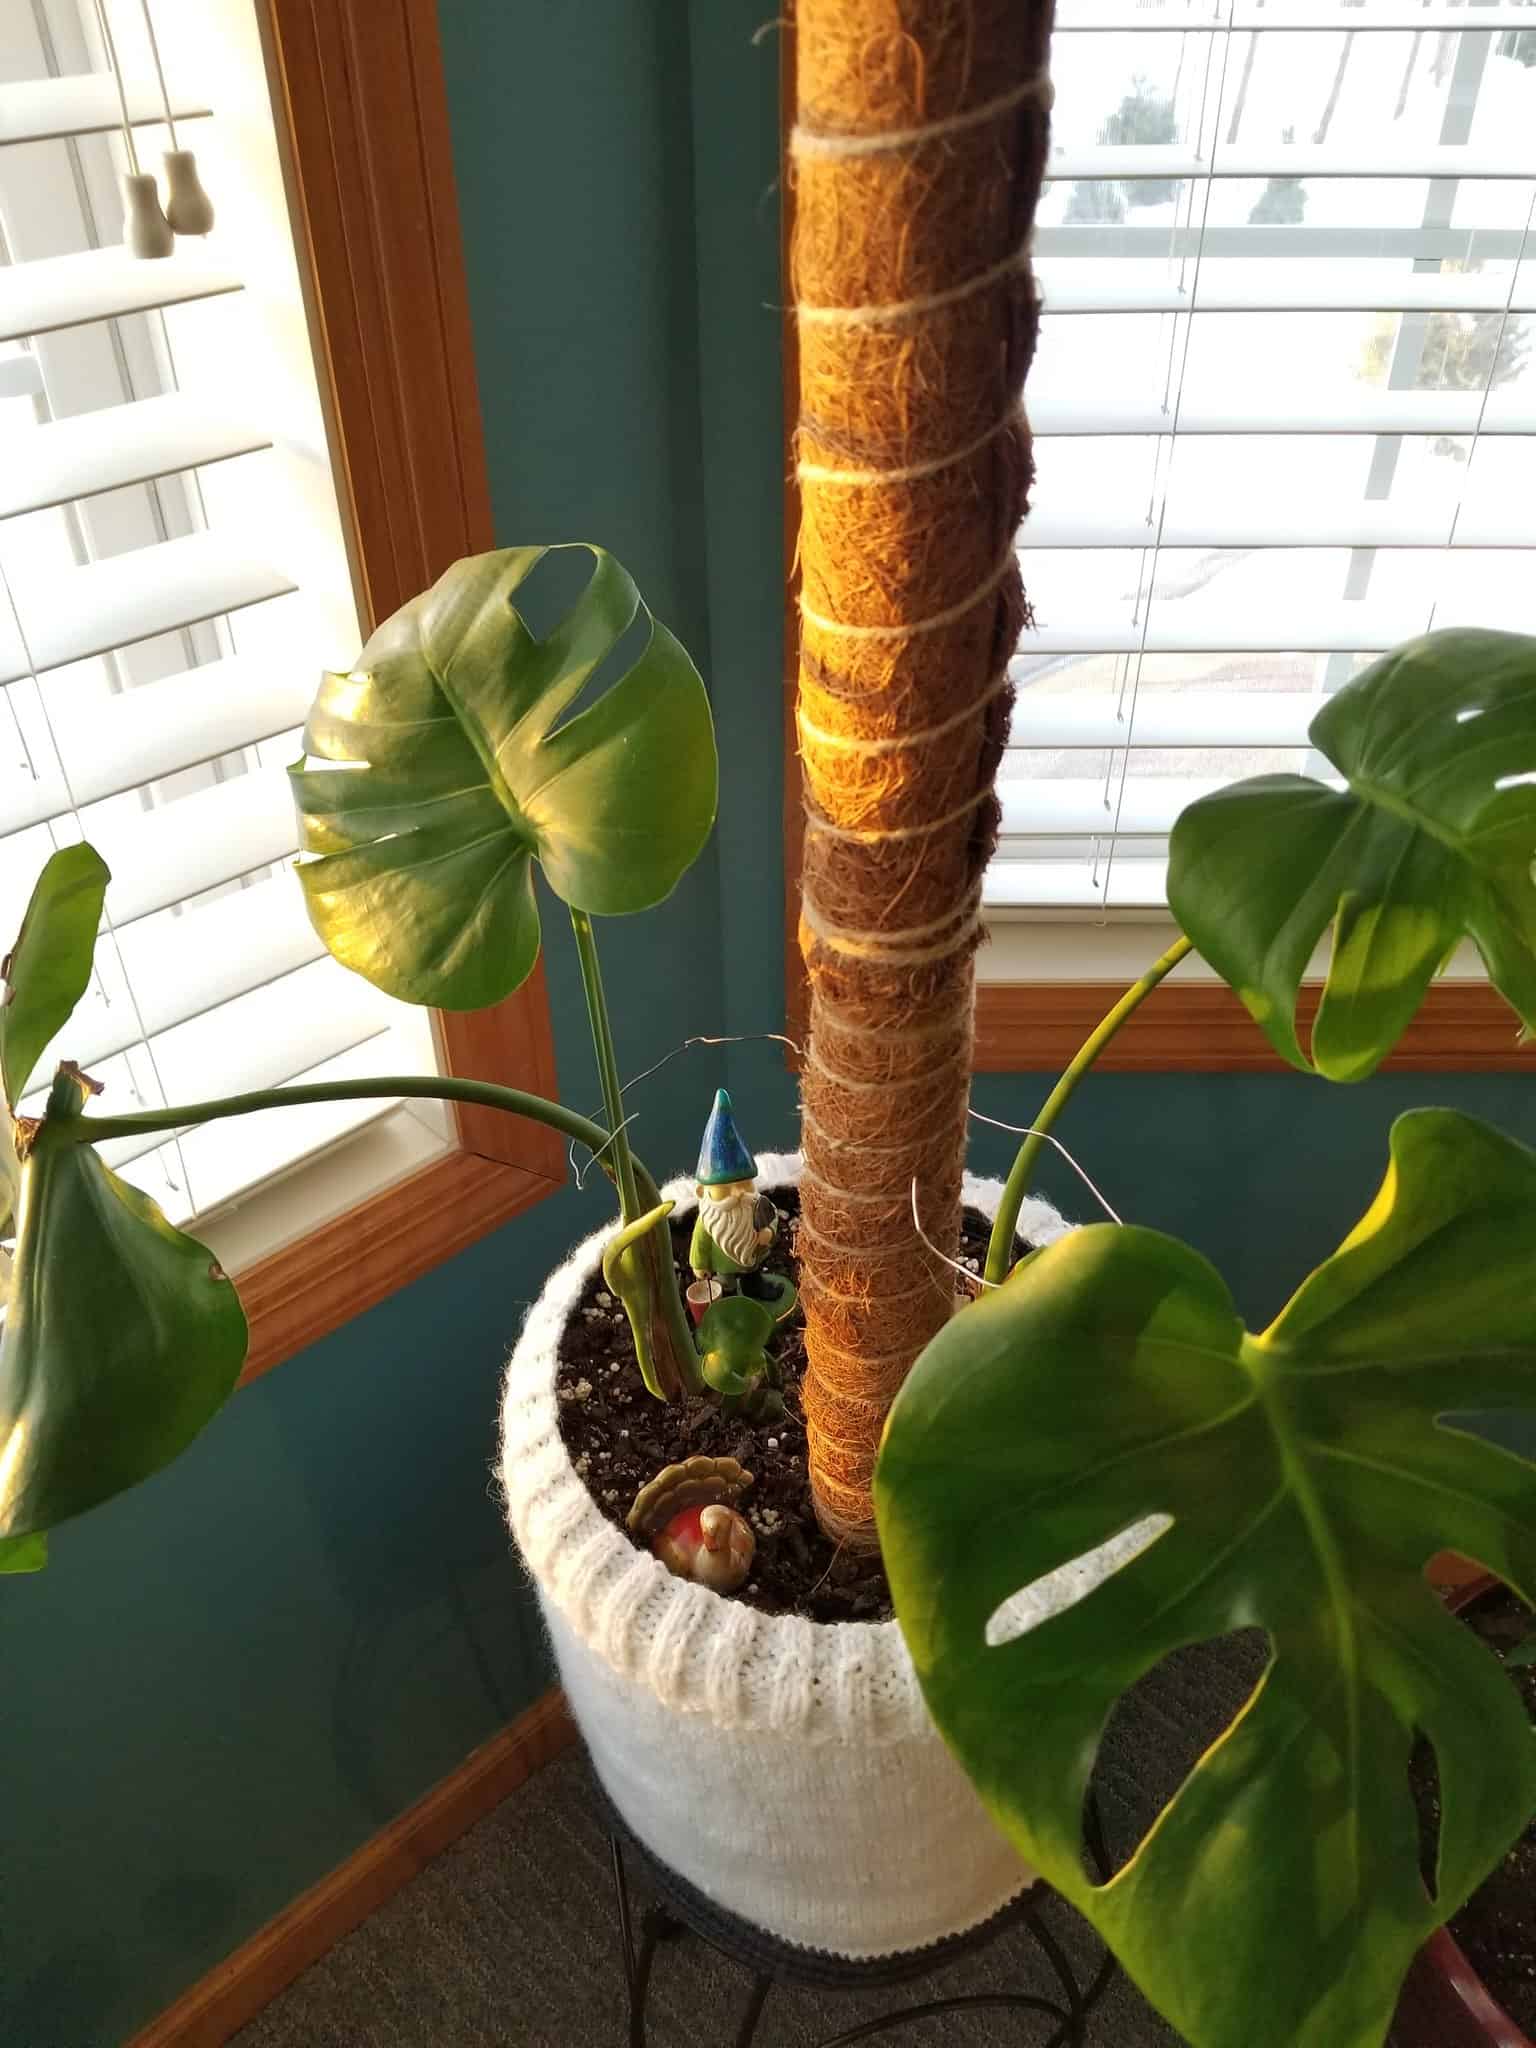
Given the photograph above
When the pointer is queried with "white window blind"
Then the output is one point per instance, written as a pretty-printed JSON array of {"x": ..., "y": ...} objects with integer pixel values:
[
  {"x": 172, "y": 580},
  {"x": 1283, "y": 403}
]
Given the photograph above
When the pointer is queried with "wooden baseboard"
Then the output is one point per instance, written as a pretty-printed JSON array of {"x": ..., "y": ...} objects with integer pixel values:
[{"x": 224, "y": 2000}]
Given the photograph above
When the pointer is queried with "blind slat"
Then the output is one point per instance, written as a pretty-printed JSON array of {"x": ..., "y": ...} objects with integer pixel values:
[
  {"x": 1163, "y": 718},
  {"x": 101, "y": 284},
  {"x": 1251, "y": 242},
  {"x": 1357, "y": 292},
  {"x": 1366, "y": 526},
  {"x": 1374, "y": 410},
  {"x": 225, "y": 1159},
  {"x": 163, "y": 856},
  {"x": 120, "y": 444},
  {"x": 1186, "y": 629},
  {"x": 280, "y": 1028},
  {"x": 235, "y": 1140},
  {"x": 1079, "y": 808},
  {"x": 178, "y": 968},
  {"x": 1132, "y": 161},
  {"x": 1122, "y": 17},
  {"x": 84, "y": 103},
  {"x": 132, "y": 597},
  {"x": 144, "y": 734},
  {"x": 1076, "y": 884}
]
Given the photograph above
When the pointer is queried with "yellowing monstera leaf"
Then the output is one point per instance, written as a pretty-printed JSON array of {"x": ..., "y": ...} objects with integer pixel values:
[
  {"x": 1301, "y": 1481},
  {"x": 464, "y": 772}
]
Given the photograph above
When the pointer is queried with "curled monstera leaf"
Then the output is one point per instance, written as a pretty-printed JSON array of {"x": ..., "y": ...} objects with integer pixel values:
[
  {"x": 463, "y": 771},
  {"x": 122, "y": 1336},
  {"x": 47, "y": 971},
  {"x": 1108, "y": 1395},
  {"x": 1431, "y": 841}
]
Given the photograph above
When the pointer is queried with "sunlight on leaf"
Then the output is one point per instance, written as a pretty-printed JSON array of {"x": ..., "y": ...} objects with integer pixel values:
[{"x": 453, "y": 760}]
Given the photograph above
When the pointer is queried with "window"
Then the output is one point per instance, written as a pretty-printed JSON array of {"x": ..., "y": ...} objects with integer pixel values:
[
  {"x": 175, "y": 569},
  {"x": 1283, "y": 404}
]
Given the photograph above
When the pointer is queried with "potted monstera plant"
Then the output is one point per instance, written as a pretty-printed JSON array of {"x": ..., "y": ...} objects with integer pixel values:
[{"x": 1091, "y": 1464}]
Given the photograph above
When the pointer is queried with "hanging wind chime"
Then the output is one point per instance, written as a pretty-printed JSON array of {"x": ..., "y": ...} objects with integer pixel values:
[{"x": 150, "y": 230}]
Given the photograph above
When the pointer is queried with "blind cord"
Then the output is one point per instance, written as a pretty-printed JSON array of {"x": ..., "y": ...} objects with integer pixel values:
[
  {"x": 117, "y": 79},
  {"x": 106, "y": 919},
  {"x": 1178, "y": 404}
]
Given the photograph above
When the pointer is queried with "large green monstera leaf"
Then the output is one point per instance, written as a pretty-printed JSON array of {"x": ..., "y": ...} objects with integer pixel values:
[
  {"x": 1431, "y": 841},
  {"x": 1301, "y": 1480},
  {"x": 122, "y": 1336},
  {"x": 469, "y": 775}
]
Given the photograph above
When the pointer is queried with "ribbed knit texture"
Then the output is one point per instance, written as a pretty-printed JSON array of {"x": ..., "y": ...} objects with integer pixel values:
[{"x": 786, "y": 1768}]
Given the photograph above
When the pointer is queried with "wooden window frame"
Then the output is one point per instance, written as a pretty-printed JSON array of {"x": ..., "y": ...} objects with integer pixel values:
[
  {"x": 1185, "y": 1026},
  {"x": 362, "y": 117}
]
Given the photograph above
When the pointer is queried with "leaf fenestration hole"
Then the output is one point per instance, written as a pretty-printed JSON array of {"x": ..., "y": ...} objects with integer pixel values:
[
  {"x": 546, "y": 598},
  {"x": 1160, "y": 1729},
  {"x": 1424, "y": 1783},
  {"x": 1057, "y": 1590}
]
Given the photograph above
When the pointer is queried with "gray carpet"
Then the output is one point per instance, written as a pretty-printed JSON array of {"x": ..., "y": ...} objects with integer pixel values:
[{"x": 508, "y": 1940}]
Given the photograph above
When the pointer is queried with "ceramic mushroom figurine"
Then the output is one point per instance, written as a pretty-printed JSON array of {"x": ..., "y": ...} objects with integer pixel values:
[{"x": 689, "y": 1514}]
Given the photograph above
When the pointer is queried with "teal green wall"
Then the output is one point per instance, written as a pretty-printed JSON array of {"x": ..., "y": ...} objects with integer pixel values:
[{"x": 230, "y": 1679}]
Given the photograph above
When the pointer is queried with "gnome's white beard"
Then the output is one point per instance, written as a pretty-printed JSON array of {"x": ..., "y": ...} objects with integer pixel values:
[{"x": 730, "y": 1222}]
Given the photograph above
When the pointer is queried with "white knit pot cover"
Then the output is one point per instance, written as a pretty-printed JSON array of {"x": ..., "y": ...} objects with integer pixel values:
[{"x": 786, "y": 1768}]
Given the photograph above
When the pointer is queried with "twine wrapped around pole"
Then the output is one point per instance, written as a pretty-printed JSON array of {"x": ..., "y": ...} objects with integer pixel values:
[{"x": 917, "y": 158}]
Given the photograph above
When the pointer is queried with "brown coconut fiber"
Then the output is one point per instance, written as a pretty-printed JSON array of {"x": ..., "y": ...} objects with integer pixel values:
[{"x": 916, "y": 163}]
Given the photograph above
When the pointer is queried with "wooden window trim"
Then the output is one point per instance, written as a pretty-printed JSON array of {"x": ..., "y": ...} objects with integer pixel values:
[
  {"x": 1184, "y": 1027},
  {"x": 1201, "y": 1027},
  {"x": 362, "y": 118}
]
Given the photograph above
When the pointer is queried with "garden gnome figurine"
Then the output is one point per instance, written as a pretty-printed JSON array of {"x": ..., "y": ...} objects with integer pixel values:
[{"x": 736, "y": 1224}]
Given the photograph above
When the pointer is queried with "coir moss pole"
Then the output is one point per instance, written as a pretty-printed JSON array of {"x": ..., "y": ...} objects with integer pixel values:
[{"x": 917, "y": 156}]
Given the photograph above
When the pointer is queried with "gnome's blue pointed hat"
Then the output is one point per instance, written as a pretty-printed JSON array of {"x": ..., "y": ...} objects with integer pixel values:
[{"x": 722, "y": 1156}]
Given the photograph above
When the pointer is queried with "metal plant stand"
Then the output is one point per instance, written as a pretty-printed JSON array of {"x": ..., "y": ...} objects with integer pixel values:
[{"x": 683, "y": 1910}]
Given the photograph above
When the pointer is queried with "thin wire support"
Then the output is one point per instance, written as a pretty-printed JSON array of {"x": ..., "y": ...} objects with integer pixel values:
[
  {"x": 701, "y": 1038},
  {"x": 1028, "y": 1131}
]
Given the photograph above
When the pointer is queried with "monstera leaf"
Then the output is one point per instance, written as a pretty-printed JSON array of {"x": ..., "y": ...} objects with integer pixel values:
[
  {"x": 48, "y": 969},
  {"x": 1431, "y": 841},
  {"x": 1306, "y": 1477},
  {"x": 122, "y": 1337},
  {"x": 469, "y": 775},
  {"x": 734, "y": 1333},
  {"x": 24, "y": 1554}
]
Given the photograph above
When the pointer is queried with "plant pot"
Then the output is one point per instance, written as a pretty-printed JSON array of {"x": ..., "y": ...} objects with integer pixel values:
[
  {"x": 785, "y": 1768},
  {"x": 1444, "y": 2003},
  {"x": 701, "y": 1295}
]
